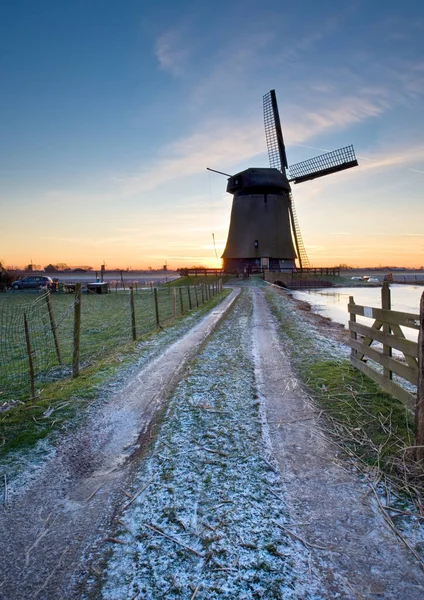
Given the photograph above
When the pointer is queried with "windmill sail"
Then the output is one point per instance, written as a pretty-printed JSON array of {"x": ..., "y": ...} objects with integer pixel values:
[
  {"x": 273, "y": 133},
  {"x": 278, "y": 160},
  {"x": 300, "y": 247},
  {"x": 324, "y": 164}
]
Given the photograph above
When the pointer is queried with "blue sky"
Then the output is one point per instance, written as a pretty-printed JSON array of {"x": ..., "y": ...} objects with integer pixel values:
[{"x": 110, "y": 113}]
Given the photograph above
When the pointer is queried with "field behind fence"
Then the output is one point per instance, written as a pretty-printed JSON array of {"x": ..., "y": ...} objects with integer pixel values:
[{"x": 42, "y": 338}]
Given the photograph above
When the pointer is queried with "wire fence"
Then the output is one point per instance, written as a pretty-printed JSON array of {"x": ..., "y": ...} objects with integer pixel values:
[{"x": 54, "y": 336}]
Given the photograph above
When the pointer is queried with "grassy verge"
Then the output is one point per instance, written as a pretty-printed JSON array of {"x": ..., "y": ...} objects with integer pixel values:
[
  {"x": 371, "y": 425},
  {"x": 62, "y": 403}
]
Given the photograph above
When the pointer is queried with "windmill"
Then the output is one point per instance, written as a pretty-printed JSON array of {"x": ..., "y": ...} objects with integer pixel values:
[{"x": 264, "y": 230}]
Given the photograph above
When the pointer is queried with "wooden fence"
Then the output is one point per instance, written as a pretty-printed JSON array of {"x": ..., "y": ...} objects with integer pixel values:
[{"x": 386, "y": 329}]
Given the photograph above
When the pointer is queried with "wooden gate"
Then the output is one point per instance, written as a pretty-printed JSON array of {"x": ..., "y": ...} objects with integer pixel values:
[{"x": 408, "y": 363}]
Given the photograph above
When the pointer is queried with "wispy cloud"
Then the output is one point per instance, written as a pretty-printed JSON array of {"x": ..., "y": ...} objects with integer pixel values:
[
  {"x": 332, "y": 116},
  {"x": 215, "y": 144},
  {"x": 223, "y": 143},
  {"x": 342, "y": 97},
  {"x": 172, "y": 51},
  {"x": 402, "y": 157}
]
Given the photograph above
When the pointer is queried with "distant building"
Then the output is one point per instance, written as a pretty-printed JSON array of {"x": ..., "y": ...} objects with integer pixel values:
[{"x": 50, "y": 269}]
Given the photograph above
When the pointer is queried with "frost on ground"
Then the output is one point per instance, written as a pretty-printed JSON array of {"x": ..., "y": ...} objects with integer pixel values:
[
  {"x": 211, "y": 519},
  {"x": 235, "y": 492},
  {"x": 312, "y": 338},
  {"x": 22, "y": 467},
  {"x": 60, "y": 508}
]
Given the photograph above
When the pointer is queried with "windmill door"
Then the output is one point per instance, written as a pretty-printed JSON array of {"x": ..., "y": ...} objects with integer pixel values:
[{"x": 265, "y": 262}]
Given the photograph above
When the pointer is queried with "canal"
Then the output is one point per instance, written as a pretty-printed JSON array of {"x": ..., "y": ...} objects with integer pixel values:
[{"x": 332, "y": 302}]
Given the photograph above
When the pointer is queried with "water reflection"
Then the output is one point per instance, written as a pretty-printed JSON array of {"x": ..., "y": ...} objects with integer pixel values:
[{"x": 332, "y": 302}]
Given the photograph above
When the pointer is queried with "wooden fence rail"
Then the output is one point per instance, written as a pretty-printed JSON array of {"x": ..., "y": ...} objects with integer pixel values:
[{"x": 386, "y": 329}]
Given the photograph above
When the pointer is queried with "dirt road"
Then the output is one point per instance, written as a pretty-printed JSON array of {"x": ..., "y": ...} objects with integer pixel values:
[{"x": 233, "y": 492}]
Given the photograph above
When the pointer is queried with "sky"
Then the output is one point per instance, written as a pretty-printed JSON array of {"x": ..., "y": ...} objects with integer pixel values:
[{"x": 110, "y": 113}]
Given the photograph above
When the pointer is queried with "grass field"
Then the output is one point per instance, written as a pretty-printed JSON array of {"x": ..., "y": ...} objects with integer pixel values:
[{"x": 106, "y": 324}]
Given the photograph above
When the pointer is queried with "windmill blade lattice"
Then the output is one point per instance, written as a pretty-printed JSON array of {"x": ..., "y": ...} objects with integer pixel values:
[
  {"x": 273, "y": 133},
  {"x": 278, "y": 160},
  {"x": 300, "y": 247},
  {"x": 324, "y": 164}
]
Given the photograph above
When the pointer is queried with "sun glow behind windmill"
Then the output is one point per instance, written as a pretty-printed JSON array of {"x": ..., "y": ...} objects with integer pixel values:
[
  {"x": 264, "y": 231},
  {"x": 319, "y": 166}
]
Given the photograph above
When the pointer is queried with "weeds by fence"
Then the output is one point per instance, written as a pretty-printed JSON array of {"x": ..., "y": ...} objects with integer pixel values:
[{"x": 43, "y": 340}]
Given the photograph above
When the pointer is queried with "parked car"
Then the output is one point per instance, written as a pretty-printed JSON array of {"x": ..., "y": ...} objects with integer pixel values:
[
  {"x": 33, "y": 282},
  {"x": 357, "y": 278},
  {"x": 373, "y": 280}
]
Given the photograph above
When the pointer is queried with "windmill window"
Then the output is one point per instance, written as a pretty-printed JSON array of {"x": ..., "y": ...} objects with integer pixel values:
[{"x": 256, "y": 244}]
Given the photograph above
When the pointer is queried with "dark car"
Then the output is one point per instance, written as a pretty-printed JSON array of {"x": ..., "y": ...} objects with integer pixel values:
[{"x": 33, "y": 282}]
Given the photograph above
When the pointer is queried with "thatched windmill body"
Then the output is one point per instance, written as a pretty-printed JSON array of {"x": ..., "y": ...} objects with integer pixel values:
[{"x": 264, "y": 231}]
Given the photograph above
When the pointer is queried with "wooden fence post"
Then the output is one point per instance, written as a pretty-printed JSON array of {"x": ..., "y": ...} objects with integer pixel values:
[
  {"x": 29, "y": 351},
  {"x": 133, "y": 326},
  {"x": 386, "y": 304},
  {"x": 174, "y": 302},
  {"x": 352, "y": 317},
  {"x": 155, "y": 293},
  {"x": 77, "y": 330},
  {"x": 189, "y": 297},
  {"x": 53, "y": 326},
  {"x": 195, "y": 294},
  {"x": 419, "y": 410},
  {"x": 203, "y": 292},
  {"x": 180, "y": 290}
]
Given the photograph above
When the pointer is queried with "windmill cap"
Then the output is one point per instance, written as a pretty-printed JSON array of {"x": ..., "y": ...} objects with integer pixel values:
[{"x": 258, "y": 180}]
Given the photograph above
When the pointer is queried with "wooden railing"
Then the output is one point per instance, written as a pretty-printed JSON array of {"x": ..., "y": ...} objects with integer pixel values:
[
  {"x": 201, "y": 271},
  {"x": 386, "y": 330},
  {"x": 333, "y": 271}
]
